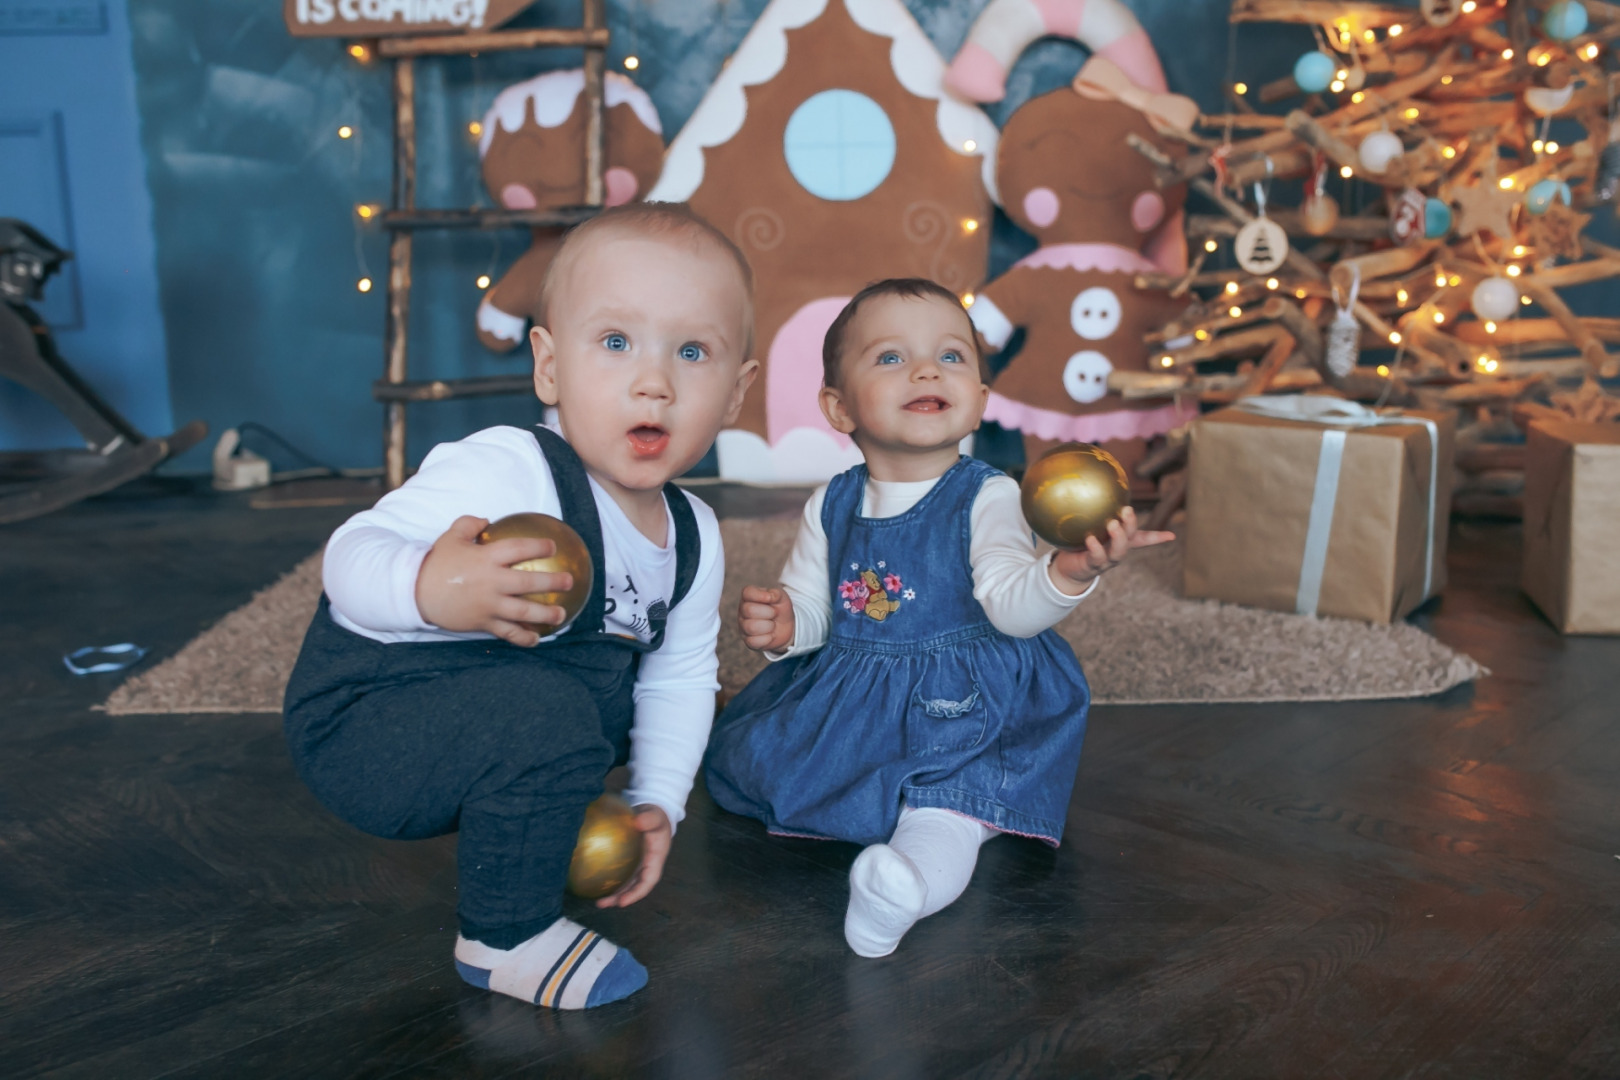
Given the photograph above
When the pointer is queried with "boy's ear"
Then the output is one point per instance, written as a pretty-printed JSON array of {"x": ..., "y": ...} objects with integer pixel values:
[
  {"x": 832, "y": 407},
  {"x": 545, "y": 365},
  {"x": 739, "y": 390}
]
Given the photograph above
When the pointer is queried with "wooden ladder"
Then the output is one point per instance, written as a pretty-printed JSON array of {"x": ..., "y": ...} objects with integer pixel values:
[{"x": 395, "y": 390}]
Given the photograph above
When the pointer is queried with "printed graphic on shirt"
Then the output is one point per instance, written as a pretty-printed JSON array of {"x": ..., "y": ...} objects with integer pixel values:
[
  {"x": 874, "y": 595},
  {"x": 627, "y": 614}
]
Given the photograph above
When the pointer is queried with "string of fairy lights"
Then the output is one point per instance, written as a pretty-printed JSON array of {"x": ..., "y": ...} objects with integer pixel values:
[
  {"x": 1336, "y": 66},
  {"x": 367, "y": 212}
]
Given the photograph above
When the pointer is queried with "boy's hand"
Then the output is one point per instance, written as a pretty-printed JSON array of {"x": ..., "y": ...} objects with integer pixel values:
[
  {"x": 766, "y": 619},
  {"x": 464, "y": 585},
  {"x": 655, "y": 839},
  {"x": 1079, "y": 568}
]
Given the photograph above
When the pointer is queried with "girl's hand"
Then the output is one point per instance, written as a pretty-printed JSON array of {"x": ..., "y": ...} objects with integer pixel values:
[
  {"x": 656, "y": 834},
  {"x": 1071, "y": 571},
  {"x": 766, "y": 619},
  {"x": 464, "y": 585}
]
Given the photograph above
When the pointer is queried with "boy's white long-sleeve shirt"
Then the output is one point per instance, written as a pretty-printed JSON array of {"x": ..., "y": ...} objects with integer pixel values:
[
  {"x": 372, "y": 562},
  {"x": 1010, "y": 579}
]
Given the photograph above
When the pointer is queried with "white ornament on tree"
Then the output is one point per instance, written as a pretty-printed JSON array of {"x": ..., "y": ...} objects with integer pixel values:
[
  {"x": 1344, "y": 333},
  {"x": 1495, "y": 299},
  {"x": 1544, "y": 100},
  {"x": 1379, "y": 149}
]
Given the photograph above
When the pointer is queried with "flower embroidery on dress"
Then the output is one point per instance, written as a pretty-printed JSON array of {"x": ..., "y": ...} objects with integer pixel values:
[{"x": 871, "y": 596}]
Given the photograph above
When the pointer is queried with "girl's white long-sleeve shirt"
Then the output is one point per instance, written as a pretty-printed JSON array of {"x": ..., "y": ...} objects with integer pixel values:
[
  {"x": 1010, "y": 578},
  {"x": 372, "y": 562}
]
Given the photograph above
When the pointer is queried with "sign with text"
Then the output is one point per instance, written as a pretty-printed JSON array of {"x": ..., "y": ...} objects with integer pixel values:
[
  {"x": 388, "y": 18},
  {"x": 53, "y": 17}
]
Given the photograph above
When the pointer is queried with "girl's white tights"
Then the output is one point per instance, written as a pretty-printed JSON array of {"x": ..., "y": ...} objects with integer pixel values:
[{"x": 922, "y": 869}]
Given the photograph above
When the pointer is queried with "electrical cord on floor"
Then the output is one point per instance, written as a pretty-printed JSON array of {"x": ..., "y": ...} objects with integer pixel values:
[{"x": 315, "y": 467}]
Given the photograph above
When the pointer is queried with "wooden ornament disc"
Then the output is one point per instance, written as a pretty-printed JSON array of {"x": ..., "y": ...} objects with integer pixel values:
[
  {"x": 1261, "y": 246},
  {"x": 1441, "y": 12}
]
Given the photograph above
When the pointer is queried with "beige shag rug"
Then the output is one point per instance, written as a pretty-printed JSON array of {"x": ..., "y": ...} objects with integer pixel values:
[{"x": 1139, "y": 642}]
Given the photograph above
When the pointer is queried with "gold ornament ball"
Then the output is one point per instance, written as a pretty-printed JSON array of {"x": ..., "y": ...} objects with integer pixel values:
[
  {"x": 1072, "y": 493},
  {"x": 608, "y": 850},
  {"x": 571, "y": 557}
]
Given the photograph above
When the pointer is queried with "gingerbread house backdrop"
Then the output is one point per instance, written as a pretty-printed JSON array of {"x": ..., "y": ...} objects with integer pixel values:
[{"x": 830, "y": 151}]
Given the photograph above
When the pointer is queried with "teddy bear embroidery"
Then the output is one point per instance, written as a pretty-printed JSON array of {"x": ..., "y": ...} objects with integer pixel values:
[{"x": 872, "y": 596}]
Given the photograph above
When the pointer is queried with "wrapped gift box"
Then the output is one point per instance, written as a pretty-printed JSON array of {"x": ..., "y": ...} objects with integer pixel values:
[
  {"x": 1339, "y": 510},
  {"x": 1572, "y": 524}
]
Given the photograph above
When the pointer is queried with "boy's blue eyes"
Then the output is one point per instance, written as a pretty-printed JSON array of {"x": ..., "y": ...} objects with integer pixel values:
[
  {"x": 889, "y": 358},
  {"x": 617, "y": 342}
]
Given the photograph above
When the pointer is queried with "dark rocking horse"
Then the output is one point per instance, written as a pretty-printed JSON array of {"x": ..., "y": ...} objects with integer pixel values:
[{"x": 116, "y": 452}]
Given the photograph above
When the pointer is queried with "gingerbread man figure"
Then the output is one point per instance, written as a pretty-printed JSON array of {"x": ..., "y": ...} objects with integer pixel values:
[
  {"x": 533, "y": 151},
  {"x": 1066, "y": 174}
]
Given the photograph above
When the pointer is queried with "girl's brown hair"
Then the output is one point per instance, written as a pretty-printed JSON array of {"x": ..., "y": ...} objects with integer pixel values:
[{"x": 832, "y": 347}]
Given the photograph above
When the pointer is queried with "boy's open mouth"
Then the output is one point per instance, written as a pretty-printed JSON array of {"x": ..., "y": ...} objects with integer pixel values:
[
  {"x": 927, "y": 404},
  {"x": 648, "y": 440}
]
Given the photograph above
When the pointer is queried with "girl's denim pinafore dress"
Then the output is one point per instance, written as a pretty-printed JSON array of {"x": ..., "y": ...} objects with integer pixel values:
[{"x": 915, "y": 697}]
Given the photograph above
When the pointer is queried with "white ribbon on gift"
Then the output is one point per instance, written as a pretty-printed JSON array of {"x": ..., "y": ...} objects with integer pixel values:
[{"x": 1341, "y": 417}]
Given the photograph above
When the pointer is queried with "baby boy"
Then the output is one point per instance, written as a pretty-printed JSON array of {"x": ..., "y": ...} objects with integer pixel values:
[{"x": 424, "y": 702}]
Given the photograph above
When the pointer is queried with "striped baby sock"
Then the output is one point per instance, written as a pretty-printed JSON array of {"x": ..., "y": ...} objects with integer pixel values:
[{"x": 565, "y": 966}]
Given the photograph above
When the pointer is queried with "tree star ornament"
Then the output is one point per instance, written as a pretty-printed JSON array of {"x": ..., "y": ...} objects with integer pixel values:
[
  {"x": 1485, "y": 207},
  {"x": 1557, "y": 231}
]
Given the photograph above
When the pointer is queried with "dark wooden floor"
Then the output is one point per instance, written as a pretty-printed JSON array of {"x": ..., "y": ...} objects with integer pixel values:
[{"x": 1423, "y": 888}]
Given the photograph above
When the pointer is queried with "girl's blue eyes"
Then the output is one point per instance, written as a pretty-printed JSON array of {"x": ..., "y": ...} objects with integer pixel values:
[
  {"x": 949, "y": 356},
  {"x": 616, "y": 342},
  {"x": 691, "y": 352}
]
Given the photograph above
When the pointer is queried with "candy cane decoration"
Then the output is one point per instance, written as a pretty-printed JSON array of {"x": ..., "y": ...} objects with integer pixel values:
[{"x": 1005, "y": 28}]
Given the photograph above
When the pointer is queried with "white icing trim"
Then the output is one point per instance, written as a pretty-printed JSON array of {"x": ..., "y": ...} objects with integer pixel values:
[
  {"x": 763, "y": 52},
  {"x": 990, "y": 321},
  {"x": 550, "y": 98},
  {"x": 921, "y": 70},
  {"x": 802, "y": 456},
  {"x": 720, "y": 114},
  {"x": 499, "y": 324}
]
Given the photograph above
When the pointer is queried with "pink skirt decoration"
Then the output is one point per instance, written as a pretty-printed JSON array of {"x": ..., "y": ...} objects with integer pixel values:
[{"x": 1092, "y": 428}]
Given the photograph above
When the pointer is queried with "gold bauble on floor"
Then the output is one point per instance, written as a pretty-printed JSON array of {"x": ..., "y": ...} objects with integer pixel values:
[
  {"x": 1072, "y": 492},
  {"x": 571, "y": 557},
  {"x": 608, "y": 850}
]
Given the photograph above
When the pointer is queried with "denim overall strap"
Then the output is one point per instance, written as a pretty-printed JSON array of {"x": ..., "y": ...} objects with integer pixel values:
[
  {"x": 839, "y": 508},
  {"x": 579, "y": 511}
]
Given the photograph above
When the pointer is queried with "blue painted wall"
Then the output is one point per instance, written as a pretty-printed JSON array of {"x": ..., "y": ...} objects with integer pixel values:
[
  {"x": 71, "y": 163},
  {"x": 254, "y": 193}
]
